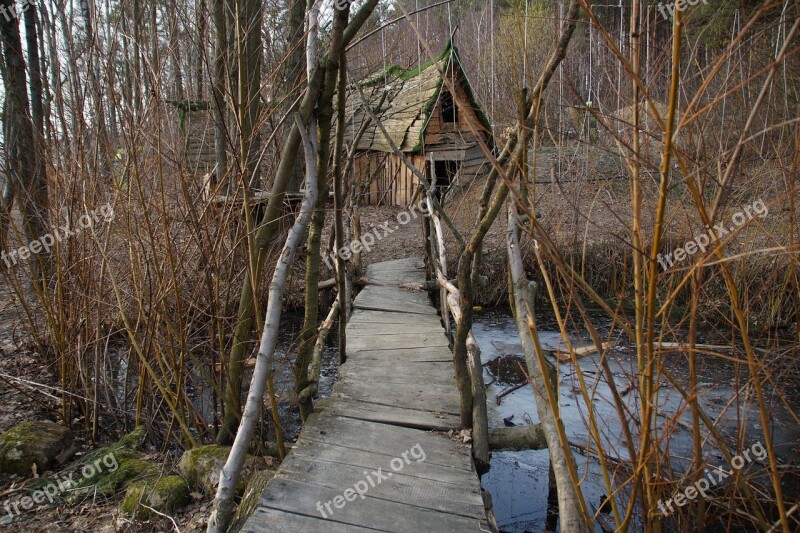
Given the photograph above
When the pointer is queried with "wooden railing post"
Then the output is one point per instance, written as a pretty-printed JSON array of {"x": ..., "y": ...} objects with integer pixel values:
[{"x": 474, "y": 369}]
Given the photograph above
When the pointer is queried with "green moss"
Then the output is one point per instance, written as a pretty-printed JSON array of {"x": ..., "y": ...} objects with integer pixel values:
[
  {"x": 165, "y": 494},
  {"x": 41, "y": 443},
  {"x": 107, "y": 482},
  {"x": 106, "y": 470},
  {"x": 201, "y": 467}
]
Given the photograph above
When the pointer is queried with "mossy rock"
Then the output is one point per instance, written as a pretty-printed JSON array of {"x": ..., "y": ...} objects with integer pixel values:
[
  {"x": 201, "y": 467},
  {"x": 109, "y": 481},
  {"x": 255, "y": 487},
  {"x": 165, "y": 495},
  {"x": 105, "y": 471},
  {"x": 127, "y": 446},
  {"x": 43, "y": 443}
]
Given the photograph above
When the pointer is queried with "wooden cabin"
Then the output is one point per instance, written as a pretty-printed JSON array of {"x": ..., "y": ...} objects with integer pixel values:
[{"x": 425, "y": 122}]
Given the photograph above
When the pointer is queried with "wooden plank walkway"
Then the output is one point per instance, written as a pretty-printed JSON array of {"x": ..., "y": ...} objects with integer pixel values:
[{"x": 375, "y": 456}]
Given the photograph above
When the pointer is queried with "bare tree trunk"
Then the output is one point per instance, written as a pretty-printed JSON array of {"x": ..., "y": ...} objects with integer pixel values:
[
  {"x": 249, "y": 77},
  {"x": 267, "y": 228},
  {"x": 342, "y": 285},
  {"x": 218, "y": 91},
  {"x": 223, "y": 508},
  {"x": 263, "y": 238},
  {"x": 296, "y": 70},
  {"x": 48, "y": 24},
  {"x": 201, "y": 15},
  {"x": 175, "y": 51},
  {"x": 93, "y": 72},
  {"x": 246, "y": 78},
  {"x": 111, "y": 80},
  {"x": 136, "y": 79},
  {"x": 490, "y": 209},
  {"x": 25, "y": 167},
  {"x": 325, "y": 117},
  {"x": 570, "y": 501},
  {"x": 35, "y": 72}
]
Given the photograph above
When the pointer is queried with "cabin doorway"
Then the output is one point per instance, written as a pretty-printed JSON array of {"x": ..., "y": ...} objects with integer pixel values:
[{"x": 443, "y": 174}]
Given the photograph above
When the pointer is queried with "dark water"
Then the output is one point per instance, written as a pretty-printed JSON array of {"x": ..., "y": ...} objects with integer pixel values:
[
  {"x": 518, "y": 481},
  {"x": 285, "y": 353},
  {"x": 203, "y": 400}
]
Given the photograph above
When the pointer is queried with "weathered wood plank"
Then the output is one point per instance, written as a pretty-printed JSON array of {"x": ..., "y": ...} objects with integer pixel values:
[
  {"x": 403, "y": 355},
  {"x": 396, "y": 293},
  {"x": 329, "y": 452},
  {"x": 417, "y": 369},
  {"x": 386, "y": 395},
  {"x": 386, "y": 440},
  {"x": 396, "y": 342},
  {"x": 376, "y": 304},
  {"x": 302, "y": 498},
  {"x": 407, "y": 262},
  {"x": 451, "y": 497},
  {"x": 390, "y": 414},
  {"x": 404, "y": 324},
  {"x": 266, "y": 519},
  {"x": 392, "y": 302},
  {"x": 363, "y": 316},
  {"x": 394, "y": 380}
]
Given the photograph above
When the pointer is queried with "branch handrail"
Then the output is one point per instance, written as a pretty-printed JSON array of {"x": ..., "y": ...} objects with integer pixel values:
[{"x": 449, "y": 302}]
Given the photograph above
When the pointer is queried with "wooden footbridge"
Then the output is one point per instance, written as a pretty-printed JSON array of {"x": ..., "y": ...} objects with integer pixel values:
[{"x": 377, "y": 456}]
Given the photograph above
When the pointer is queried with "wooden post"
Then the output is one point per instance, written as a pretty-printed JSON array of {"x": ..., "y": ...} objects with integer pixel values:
[
  {"x": 441, "y": 256},
  {"x": 473, "y": 380}
]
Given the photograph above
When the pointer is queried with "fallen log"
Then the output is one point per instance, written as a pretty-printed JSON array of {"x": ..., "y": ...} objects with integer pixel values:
[
  {"x": 564, "y": 356},
  {"x": 327, "y": 284},
  {"x": 517, "y": 438},
  {"x": 508, "y": 391},
  {"x": 315, "y": 368},
  {"x": 680, "y": 346}
]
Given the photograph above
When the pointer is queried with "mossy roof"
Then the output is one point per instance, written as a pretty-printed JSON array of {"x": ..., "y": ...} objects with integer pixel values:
[{"x": 411, "y": 96}]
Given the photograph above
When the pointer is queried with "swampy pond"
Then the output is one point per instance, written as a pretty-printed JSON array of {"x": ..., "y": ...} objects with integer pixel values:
[{"x": 519, "y": 481}]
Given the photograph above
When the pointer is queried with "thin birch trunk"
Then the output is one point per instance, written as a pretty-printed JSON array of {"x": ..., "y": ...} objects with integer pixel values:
[
  {"x": 341, "y": 34},
  {"x": 223, "y": 508}
]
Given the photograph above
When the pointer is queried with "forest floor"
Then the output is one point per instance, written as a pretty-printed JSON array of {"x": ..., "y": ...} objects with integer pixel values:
[{"x": 29, "y": 390}]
